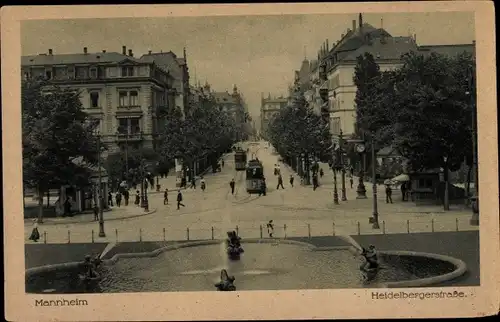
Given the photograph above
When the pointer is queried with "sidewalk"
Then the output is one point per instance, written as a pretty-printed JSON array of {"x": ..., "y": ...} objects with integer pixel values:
[{"x": 115, "y": 213}]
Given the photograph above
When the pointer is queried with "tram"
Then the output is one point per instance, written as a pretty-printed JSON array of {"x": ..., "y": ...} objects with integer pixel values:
[
  {"x": 240, "y": 160},
  {"x": 254, "y": 176}
]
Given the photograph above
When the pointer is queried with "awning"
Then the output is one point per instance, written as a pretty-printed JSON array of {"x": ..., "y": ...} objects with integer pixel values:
[{"x": 401, "y": 178}]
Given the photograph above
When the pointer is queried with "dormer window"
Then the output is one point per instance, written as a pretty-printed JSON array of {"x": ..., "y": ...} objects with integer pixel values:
[
  {"x": 93, "y": 72},
  {"x": 71, "y": 72},
  {"x": 127, "y": 71}
]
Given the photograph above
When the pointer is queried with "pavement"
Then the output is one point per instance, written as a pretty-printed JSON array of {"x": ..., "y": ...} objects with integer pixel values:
[{"x": 296, "y": 212}]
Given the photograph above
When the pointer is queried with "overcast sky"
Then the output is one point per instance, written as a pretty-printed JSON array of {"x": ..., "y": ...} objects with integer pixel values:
[{"x": 257, "y": 53}]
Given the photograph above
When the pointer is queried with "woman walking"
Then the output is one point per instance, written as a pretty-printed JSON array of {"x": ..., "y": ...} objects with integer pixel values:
[{"x": 35, "y": 235}]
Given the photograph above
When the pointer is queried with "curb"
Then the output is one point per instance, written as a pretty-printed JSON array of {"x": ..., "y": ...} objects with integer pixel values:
[
  {"x": 460, "y": 266},
  {"x": 91, "y": 221}
]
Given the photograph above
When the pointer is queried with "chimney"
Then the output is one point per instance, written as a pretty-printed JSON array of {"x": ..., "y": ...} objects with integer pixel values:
[
  {"x": 104, "y": 51},
  {"x": 149, "y": 52},
  {"x": 354, "y": 25},
  {"x": 327, "y": 46},
  {"x": 360, "y": 22},
  {"x": 415, "y": 38},
  {"x": 85, "y": 50},
  {"x": 124, "y": 50},
  {"x": 50, "y": 51},
  {"x": 130, "y": 53}
]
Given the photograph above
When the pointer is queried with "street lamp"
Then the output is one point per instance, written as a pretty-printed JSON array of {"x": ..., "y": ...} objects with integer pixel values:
[
  {"x": 446, "y": 191},
  {"x": 99, "y": 190},
  {"x": 334, "y": 169},
  {"x": 361, "y": 149},
  {"x": 374, "y": 218},
  {"x": 341, "y": 142}
]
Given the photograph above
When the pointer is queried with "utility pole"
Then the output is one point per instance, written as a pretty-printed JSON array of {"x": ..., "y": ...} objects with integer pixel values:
[
  {"x": 101, "y": 198},
  {"x": 374, "y": 218},
  {"x": 341, "y": 143}
]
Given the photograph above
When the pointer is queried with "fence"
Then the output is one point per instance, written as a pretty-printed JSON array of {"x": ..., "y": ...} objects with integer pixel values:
[{"x": 280, "y": 230}]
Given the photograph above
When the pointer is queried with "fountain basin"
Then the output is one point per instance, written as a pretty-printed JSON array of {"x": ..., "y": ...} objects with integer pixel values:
[{"x": 266, "y": 265}]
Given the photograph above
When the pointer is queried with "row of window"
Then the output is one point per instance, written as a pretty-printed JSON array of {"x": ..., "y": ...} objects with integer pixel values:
[
  {"x": 76, "y": 72},
  {"x": 125, "y": 99}
]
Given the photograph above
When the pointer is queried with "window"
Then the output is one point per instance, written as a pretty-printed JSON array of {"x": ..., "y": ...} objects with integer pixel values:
[
  {"x": 48, "y": 74},
  {"x": 123, "y": 96},
  {"x": 94, "y": 99},
  {"x": 81, "y": 72},
  {"x": 129, "y": 126},
  {"x": 127, "y": 71},
  {"x": 93, "y": 72},
  {"x": 123, "y": 126},
  {"x": 71, "y": 72},
  {"x": 134, "y": 126},
  {"x": 134, "y": 98}
]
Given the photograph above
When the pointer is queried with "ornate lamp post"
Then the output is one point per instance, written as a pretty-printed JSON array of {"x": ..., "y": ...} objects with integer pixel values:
[
  {"x": 99, "y": 191},
  {"x": 334, "y": 169},
  {"x": 361, "y": 190},
  {"x": 341, "y": 143},
  {"x": 374, "y": 218}
]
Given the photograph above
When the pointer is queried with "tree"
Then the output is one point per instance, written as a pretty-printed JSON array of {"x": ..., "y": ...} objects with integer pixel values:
[{"x": 58, "y": 139}]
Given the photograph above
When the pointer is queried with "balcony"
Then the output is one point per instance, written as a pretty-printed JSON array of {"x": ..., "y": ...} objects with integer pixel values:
[{"x": 129, "y": 137}]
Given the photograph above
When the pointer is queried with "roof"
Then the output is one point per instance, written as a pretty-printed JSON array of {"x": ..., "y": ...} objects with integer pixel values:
[
  {"x": 448, "y": 50},
  {"x": 167, "y": 61},
  {"x": 393, "y": 48},
  {"x": 80, "y": 58}
]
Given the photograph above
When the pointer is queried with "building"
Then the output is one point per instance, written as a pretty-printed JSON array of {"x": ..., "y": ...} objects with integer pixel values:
[
  {"x": 331, "y": 89},
  {"x": 234, "y": 104},
  {"x": 268, "y": 108},
  {"x": 120, "y": 91}
]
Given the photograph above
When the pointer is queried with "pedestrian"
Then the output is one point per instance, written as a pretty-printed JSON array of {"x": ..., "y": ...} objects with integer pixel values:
[
  {"x": 275, "y": 169},
  {"x": 280, "y": 182},
  {"x": 351, "y": 181},
  {"x": 232, "y": 184},
  {"x": 67, "y": 207},
  {"x": 118, "y": 199},
  {"x": 222, "y": 163},
  {"x": 351, "y": 170},
  {"x": 137, "y": 198},
  {"x": 165, "y": 197},
  {"x": 315, "y": 182},
  {"x": 193, "y": 183},
  {"x": 263, "y": 187},
  {"x": 321, "y": 173},
  {"x": 403, "y": 191},
  {"x": 110, "y": 199},
  {"x": 183, "y": 182},
  {"x": 35, "y": 235},
  {"x": 291, "y": 180},
  {"x": 202, "y": 184},
  {"x": 179, "y": 199},
  {"x": 270, "y": 228},
  {"x": 388, "y": 193},
  {"x": 126, "y": 196},
  {"x": 96, "y": 212}
]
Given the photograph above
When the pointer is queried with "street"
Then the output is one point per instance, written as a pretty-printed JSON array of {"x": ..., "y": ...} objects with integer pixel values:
[{"x": 296, "y": 212}]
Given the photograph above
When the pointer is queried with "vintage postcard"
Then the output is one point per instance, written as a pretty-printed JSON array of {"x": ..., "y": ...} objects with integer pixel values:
[{"x": 250, "y": 161}]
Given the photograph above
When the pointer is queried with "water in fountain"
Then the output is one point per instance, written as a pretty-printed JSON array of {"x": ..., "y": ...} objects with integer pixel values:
[
  {"x": 107, "y": 249},
  {"x": 347, "y": 238}
]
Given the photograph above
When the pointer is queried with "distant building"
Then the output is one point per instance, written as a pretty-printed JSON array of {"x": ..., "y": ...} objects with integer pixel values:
[
  {"x": 122, "y": 92},
  {"x": 234, "y": 104},
  {"x": 268, "y": 108}
]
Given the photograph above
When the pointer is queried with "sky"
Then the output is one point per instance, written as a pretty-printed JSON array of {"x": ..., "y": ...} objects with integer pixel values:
[{"x": 257, "y": 53}]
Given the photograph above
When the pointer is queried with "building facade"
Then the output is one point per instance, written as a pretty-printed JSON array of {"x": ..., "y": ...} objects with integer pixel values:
[
  {"x": 120, "y": 91},
  {"x": 234, "y": 104},
  {"x": 268, "y": 108}
]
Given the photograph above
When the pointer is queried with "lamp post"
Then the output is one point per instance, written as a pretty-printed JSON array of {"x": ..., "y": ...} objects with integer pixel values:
[
  {"x": 361, "y": 149},
  {"x": 334, "y": 169},
  {"x": 374, "y": 218},
  {"x": 446, "y": 191},
  {"x": 475, "y": 198},
  {"x": 341, "y": 142},
  {"x": 100, "y": 197}
]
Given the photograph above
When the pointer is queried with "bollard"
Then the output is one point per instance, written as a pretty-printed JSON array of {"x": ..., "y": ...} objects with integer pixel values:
[
  {"x": 140, "y": 234},
  {"x": 284, "y": 229},
  {"x": 408, "y": 226},
  {"x": 359, "y": 228},
  {"x": 116, "y": 234},
  {"x": 92, "y": 236},
  {"x": 309, "y": 230},
  {"x": 456, "y": 223},
  {"x": 69, "y": 237},
  {"x": 333, "y": 229},
  {"x": 164, "y": 237},
  {"x": 45, "y": 237},
  {"x": 432, "y": 224},
  {"x": 187, "y": 233},
  {"x": 237, "y": 231},
  {"x": 383, "y": 227},
  {"x": 261, "y": 231},
  {"x": 212, "y": 233}
]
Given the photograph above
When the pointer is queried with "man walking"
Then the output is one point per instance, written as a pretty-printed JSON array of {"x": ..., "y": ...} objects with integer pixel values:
[
  {"x": 193, "y": 183},
  {"x": 351, "y": 180},
  {"x": 270, "y": 228},
  {"x": 165, "y": 197},
  {"x": 388, "y": 193},
  {"x": 315, "y": 182},
  {"x": 118, "y": 199},
  {"x": 179, "y": 199},
  {"x": 280, "y": 182},
  {"x": 263, "y": 187},
  {"x": 110, "y": 199},
  {"x": 231, "y": 184},
  {"x": 126, "y": 196},
  {"x": 291, "y": 180}
]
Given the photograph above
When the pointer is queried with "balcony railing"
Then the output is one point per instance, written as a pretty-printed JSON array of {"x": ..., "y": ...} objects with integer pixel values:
[{"x": 132, "y": 137}]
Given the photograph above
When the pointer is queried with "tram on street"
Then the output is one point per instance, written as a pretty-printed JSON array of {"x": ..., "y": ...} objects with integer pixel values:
[
  {"x": 254, "y": 176},
  {"x": 240, "y": 160}
]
